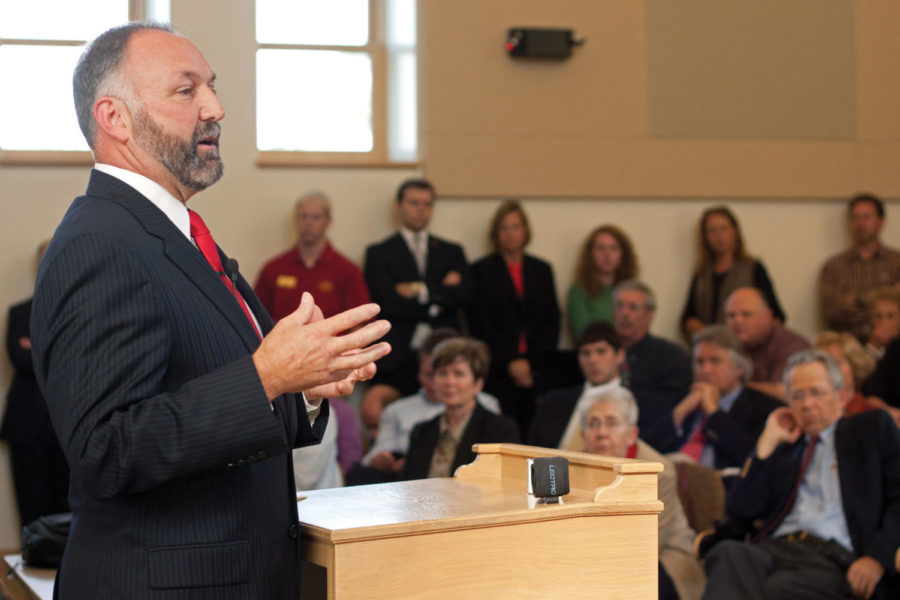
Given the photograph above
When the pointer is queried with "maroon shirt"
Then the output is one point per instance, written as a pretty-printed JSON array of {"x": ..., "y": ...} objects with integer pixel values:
[{"x": 335, "y": 283}]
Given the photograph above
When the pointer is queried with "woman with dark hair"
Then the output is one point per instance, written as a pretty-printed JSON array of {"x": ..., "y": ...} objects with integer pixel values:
[
  {"x": 607, "y": 257},
  {"x": 440, "y": 446},
  {"x": 516, "y": 313},
  {"x": 723, "y": 265}
]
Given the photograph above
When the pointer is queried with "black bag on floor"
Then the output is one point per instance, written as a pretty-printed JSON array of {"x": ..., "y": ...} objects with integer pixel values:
[{"x": 44, "y": 539}]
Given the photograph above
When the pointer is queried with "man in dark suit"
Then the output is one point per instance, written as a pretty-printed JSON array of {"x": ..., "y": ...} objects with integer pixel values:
[
  {"x": 174, "y": 398},
  {"x": 718, "y": 422},
  {"x": 656, "y": 371},
  {"x": 421, "y": 282},
  {"x": 40, "y": 473},
  {"x": 827, "y": 489},
  {"x": 558, "y": 420},
  {"x": 440, "y": 446}
]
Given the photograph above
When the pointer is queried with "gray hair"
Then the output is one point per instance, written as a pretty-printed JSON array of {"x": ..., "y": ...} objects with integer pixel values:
[
  {"x": 638, "y": 286},
  {"x": 97, "y": 73},
  {"x": 805, "y": 357},
  {"x": 621, "y": 398},
  {"x": 725, "y": 338}
]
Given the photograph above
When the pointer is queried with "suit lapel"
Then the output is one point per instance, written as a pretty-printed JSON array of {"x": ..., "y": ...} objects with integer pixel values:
[{"x": 178, "y": 249}]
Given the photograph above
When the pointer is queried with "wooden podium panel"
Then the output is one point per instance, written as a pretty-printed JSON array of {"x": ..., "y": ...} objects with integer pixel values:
[{"x": 473, "y": 535}]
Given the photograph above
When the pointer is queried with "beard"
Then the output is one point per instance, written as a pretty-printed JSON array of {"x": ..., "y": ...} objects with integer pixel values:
[{"x": 181, "y": 157}]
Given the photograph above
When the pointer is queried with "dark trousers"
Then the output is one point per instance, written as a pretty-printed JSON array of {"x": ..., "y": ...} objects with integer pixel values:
[
  {"x": 667, "y": 589},
  {"x": 41, "y": 480},
  {"x": 772, "y": 570}
]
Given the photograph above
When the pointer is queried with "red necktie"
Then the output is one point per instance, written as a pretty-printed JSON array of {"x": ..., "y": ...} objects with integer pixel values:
[
  {"x": 206, "y": 243},
  {"x": 695, "y": 444},
  {"x": 804, "y": 467}
]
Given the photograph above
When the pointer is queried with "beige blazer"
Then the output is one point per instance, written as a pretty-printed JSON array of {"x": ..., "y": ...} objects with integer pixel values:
[{"x": 676, "y": 538}]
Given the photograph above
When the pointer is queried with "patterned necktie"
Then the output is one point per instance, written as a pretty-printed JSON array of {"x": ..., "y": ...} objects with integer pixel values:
[
  {"x": 207, "y": 246},
  {"x": 804, "y": 467},
  {"x": 695, "y": 444}
]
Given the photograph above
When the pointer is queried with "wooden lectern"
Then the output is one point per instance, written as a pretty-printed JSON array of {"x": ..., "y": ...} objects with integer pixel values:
[{"x": 473, "y": 535}]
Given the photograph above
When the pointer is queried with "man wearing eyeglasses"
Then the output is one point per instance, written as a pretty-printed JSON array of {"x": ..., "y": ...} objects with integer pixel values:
[{"x": 827, "y": 491}]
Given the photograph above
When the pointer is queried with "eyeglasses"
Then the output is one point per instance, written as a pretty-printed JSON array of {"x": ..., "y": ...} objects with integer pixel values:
[{"x": 594, "y": 424}]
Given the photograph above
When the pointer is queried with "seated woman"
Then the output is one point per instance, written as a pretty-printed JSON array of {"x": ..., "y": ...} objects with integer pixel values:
[
  {"x": 607, "y": 258},
  {"x": 884, "y": 320},
  {"x": 439, "y": 446},
  {"x": 723, "y": 266},
  {"x": 856, "y": 366},
  {"x": 516, "y": 313},
  {"x": 610, "y": 428}
]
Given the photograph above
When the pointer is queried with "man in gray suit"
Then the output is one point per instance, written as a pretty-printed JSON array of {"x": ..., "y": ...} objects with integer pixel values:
[{"x": 175, "y": 400}]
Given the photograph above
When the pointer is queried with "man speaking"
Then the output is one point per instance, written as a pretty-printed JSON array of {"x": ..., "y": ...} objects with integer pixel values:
[{"x": 175, "y": 400}]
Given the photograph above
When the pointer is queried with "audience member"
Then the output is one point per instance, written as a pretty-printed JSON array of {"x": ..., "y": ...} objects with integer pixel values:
[
  {"x": 421, "y": 282},
  {"x": 847, "y": 278},
  {"x": 312, "y": 265},
  {"x": 884, "y": 320},
  {"x": 722, "y": 267},
  {"x": 827, "y": 488},
  {"x": 766, "y": 340},
  {"x": 439, "y": 446},
  {"x": 384, "y": 460},
  {"x": 610, "y": 428},
  {"x": 856, "y": 365},
  {"x": 39, "y": 470},
  {"x": 607, "y": 257},
  {"x": 557, "y": 422},
  {"x": 656, "y": 371},
  {"x": 516, "y": 313},
  {"x": 325, "y": 464},
  {"x": 718, "y": 422},
  {"x": 883, "y": 386}
]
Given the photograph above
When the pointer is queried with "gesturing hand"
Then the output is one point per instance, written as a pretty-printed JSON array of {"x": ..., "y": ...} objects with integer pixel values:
[{"x": 306, "y": 352}]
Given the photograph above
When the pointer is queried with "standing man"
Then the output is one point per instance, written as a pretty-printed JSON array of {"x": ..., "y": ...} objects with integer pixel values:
[
  {"x": 39, "y": 470},
  {"x": 827, "y": 490},
  {"x": 847, "y": 278},
  {"x": 172, "y": 394},
  {"x": 313, "y": 266},
  {"x": 421, "y": 282},
  {"x": 656, "y": 371},
  {"x": 718, "y": 422}
]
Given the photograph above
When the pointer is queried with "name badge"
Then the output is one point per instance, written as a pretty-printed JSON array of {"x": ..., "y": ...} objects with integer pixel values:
[{"x": 286, "y": 281}]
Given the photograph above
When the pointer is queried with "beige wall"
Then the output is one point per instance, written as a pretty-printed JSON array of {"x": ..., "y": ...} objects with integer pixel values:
[{"x": 248, "y": 210}]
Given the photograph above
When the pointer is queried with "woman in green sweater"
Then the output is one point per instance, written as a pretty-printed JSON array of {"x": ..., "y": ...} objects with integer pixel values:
[{"x": 607, "y": 257}]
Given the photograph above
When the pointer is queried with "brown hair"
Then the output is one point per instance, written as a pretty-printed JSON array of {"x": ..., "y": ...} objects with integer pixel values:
[
  {"x": 508, "y": 207},
  {"x": 883, "y": 294},
  {"x": 586, "y": 273},
  {"x": 705, "y": 255},
  {"x": 861, "y": 362},
  {"x": 474, "y": 352}
]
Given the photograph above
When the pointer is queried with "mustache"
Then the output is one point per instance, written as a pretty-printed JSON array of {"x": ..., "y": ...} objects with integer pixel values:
[{"x": 207, "y": 129}]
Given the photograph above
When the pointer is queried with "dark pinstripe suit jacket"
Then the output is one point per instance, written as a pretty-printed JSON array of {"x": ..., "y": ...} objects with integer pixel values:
[{"x": 182, "y": 484}]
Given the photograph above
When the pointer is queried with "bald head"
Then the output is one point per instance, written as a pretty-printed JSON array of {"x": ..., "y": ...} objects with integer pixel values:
[{"x": 749, "y": 316}]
